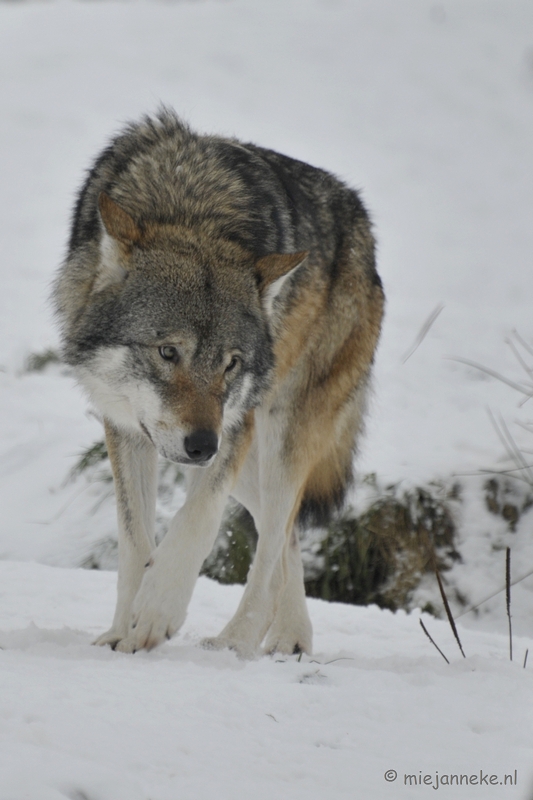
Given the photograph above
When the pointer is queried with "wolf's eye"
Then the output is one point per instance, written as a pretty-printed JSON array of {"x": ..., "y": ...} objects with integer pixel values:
[
  {"x": 233, "y": 364},
  {"x": 169, "y": 353}
]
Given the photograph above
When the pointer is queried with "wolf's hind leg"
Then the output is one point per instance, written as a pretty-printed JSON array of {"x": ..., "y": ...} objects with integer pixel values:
[
  {"x": 134, "y": 463},
  {"x": 291, "y": 631}
]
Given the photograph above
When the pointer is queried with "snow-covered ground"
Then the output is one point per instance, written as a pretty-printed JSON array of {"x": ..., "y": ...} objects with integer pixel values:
[
  {"x": 428, "y": 108},
  {"x": 180, "y": 722}
]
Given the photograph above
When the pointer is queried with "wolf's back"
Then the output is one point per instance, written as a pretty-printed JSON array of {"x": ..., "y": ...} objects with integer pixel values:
[{"x": 160, "y": 171}]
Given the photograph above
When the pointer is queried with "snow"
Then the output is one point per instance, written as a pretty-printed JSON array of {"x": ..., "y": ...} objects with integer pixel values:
[
  {"x": 184, "y": 722},
  {"x": 428, "y": 108}
]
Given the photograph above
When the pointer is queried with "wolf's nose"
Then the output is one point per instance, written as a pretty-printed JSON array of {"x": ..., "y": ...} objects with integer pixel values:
[{"x": 201, "y": 445}]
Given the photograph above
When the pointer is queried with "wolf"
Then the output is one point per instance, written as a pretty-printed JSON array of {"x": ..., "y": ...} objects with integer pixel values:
[{"x": 220, "y": 304}]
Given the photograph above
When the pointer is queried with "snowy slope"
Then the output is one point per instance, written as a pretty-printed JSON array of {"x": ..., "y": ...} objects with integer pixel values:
[
  {"x": 428, "y": 108},
  {"x": 83, "y": 722}
]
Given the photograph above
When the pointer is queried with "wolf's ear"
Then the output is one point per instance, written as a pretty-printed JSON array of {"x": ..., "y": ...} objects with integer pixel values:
[
  {"x": 120, "y": 233},
  {"x": 272, "y": 271},
  {"x": 117, "y": 222}
]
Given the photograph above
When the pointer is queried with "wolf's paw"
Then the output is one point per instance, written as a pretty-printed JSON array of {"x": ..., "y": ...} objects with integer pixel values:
[
  {"x": 290, "y": 640},
  {"x": 243, "y": 649},
  {"x": 212, "y": 643},
  {"x": 158, "y": 610},
  {"x": 111, "y": 637},
  {"x": 149, "y": 629},
  {"x": 146, "y": 636}
]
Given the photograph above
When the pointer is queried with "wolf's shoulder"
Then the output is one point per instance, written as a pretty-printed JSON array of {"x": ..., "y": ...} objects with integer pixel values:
[{"x": 158, "y": 169}]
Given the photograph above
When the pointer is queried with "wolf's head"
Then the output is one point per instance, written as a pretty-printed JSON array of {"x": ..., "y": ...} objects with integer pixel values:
[{"x": 174, "y": 335}]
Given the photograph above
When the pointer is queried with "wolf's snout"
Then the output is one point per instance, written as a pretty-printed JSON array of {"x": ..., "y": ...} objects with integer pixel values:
[{"x": 201, "y": 445}]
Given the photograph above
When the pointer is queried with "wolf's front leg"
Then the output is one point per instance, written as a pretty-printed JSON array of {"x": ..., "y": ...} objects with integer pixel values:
[
  {"x": 161, "y": 603},
  {"x": 291, "y": 630},
  {"x": 134, "y": 464},
  {"x": 267, "y": 582},
  {"x": 274, "y": 591}
]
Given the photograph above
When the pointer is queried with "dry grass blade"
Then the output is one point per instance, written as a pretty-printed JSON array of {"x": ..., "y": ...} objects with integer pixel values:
[
  {"x": 519, "y": 458},
  {"x": 448, "y": 612},
  {"x": 432, "y": 641},
  {"x": 523, "y": 342},
  {"x": 510, "y": 472},
  {"x": 423, "y": 332},
  {"x": 527, "y": 426},
  {"x": 505, "y": 471},
  {"x": 526, "y": 389},
  {"x": 510, "y": 445},
  {"x": 519, "y": 358},
  {"x": 508, "y": 597},
  {"x": 494, "y": 594}
]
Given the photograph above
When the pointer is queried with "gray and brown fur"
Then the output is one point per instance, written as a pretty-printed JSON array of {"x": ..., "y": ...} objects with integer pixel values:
[{"x": 258, "y": 272}]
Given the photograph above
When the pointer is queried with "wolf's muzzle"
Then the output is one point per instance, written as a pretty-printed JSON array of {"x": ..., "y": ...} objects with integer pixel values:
[{"x": 201, "y": 445}]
